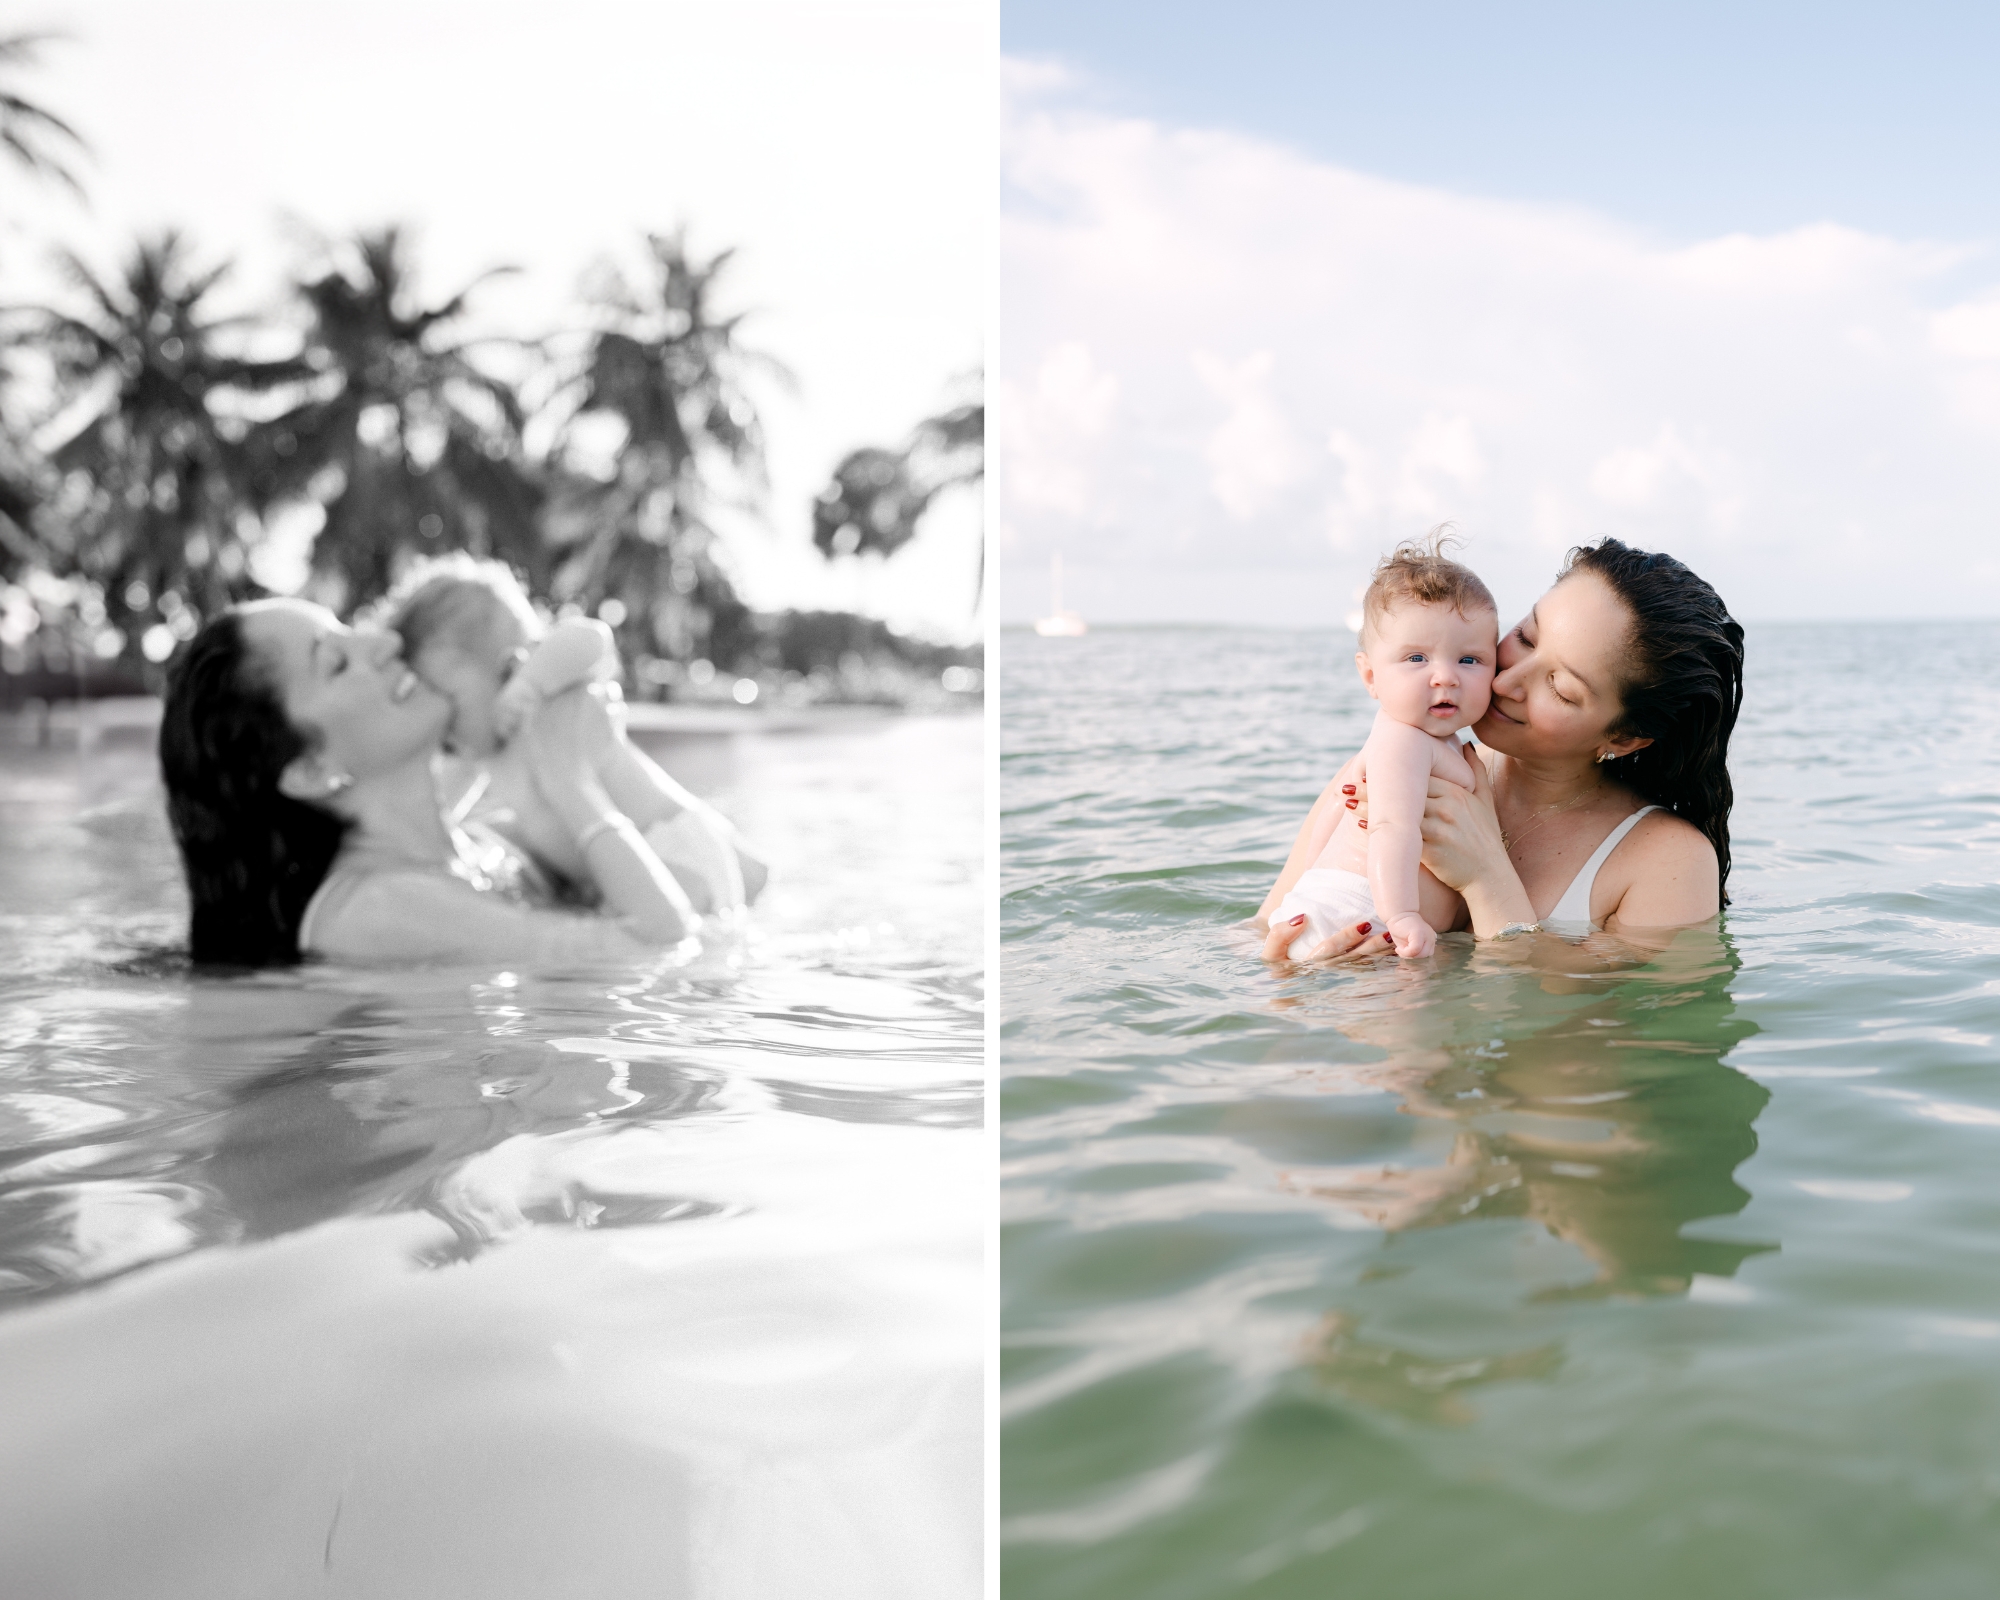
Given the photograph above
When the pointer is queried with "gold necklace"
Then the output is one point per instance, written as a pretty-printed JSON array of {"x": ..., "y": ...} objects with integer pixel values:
[{"x": 1508, "y": 841}]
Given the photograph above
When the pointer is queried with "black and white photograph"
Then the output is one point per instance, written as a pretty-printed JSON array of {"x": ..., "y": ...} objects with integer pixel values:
[{"x": 492, "y": 799}]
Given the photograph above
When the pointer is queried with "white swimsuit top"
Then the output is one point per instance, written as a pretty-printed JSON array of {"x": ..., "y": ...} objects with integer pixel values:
[
  {"x": 484, "y": 860},
  {"x": 1572, "y": 912}
]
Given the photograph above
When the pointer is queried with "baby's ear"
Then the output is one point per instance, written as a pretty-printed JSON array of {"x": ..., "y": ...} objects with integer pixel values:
[{"x": 1365, "y": 668}]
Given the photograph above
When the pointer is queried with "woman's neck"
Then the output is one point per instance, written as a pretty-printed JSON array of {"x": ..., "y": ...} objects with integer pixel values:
[
  {"x": 1526, "y": 785},
  {"x": 396, "y": 813}
]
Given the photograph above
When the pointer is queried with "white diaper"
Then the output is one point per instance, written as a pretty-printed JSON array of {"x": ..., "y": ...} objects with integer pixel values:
[{"x": 1333, "y": 901}]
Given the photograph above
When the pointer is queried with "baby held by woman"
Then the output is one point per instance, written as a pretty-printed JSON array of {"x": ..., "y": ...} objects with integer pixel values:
[
  {"x": 1429, "y": 642},
  {"x": 469, "y": 631}
]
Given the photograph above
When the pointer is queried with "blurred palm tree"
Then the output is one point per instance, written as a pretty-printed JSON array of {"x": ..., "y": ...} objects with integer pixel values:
[
  {"x": 39, "y": 141},
  {"x": 151, "y": 405},
  {"x": 878, "y": 498},
  {"x": 31, "y": 133},
  {"x": 400, "y": 438},
  {"x": 673, "y": 381}
]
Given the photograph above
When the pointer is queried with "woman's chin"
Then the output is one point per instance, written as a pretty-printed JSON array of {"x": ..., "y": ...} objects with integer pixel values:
[{"x": 1496, "y": 730}]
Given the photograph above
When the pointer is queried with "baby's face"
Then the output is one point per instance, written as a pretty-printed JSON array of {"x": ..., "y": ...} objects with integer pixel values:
[
  {"x": 1431, "y": 667},
  {"x": 469, "y": 665}
]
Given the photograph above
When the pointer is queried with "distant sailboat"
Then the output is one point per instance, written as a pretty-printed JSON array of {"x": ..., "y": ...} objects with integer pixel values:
[{"x": 1059, "y": 624}]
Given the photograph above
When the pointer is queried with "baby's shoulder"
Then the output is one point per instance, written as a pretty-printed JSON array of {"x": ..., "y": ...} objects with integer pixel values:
[{"x": 1451, "y": 759}]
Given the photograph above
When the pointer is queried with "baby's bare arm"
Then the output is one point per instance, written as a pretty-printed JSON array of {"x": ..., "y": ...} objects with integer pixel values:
[{"x": 1399, "y": 761}]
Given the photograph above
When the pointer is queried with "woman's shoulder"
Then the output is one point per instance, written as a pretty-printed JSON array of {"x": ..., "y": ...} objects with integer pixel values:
[
  {"x": 1660, "y": 835},
  {"x": 409, "y": 914},
  {"x": 388, "y": 913},
  {"x": 1665, "y": 872}
]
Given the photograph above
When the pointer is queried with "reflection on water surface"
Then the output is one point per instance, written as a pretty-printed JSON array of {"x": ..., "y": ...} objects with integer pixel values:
[
  {"x": 1536, "y": 1270},
  {"x": 645, "y": 1281}
]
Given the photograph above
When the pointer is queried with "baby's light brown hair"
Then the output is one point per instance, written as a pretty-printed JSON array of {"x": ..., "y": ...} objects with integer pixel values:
[
  {"x": 455, "y": 597},
  {"x": 1419, "y": 571}
]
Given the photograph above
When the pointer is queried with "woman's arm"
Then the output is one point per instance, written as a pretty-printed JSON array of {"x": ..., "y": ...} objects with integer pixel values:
[
  {"x": 1465, "y": 850},
  {"x": 410, "y": 917},
  {"x": 567, "y": 738},
  {"x": 647, "y": 794},
  {"x": 1312, "y": 837}
]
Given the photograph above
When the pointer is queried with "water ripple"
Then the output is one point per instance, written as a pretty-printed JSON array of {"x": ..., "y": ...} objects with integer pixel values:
[{"x": 1649, "y": 1278}]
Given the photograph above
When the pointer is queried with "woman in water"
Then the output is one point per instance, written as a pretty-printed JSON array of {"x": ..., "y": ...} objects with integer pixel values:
[
  {"x": 296, "y": 754},
  {"x": 1604, "y": 796}
]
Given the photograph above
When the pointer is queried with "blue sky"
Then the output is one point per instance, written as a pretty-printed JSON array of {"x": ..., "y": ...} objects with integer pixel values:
[
  {"x": 1284, "y": 284},
  {"x": 1693, "y": 118}
]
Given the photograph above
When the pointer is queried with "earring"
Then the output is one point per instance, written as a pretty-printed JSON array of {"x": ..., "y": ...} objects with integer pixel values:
[
  {"x": 1604, "y": 756},
  {"x": 337, "y": 781}
]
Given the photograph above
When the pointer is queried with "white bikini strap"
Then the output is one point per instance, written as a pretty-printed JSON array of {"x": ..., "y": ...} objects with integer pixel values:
[{"x": 1574, "y": 906}]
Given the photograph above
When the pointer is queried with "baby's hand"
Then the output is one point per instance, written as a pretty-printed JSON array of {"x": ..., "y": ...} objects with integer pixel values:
[{"x": 1413, "y": 936}]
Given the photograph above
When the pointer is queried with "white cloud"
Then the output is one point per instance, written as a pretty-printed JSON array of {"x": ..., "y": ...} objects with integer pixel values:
[
  {"x": 1788, "y": 413},
  {"x": 1050, "y": 427},
  {"x": 1253, "y": 455}
]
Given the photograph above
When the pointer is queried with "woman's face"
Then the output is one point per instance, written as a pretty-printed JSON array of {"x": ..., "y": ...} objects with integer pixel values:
[
  {"x": 1557, "y": 692},
  {"x": 351, "y": 691}
]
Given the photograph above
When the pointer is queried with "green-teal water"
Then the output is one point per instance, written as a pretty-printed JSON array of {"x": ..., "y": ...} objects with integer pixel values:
[{"x": 1478, "y": 1277}]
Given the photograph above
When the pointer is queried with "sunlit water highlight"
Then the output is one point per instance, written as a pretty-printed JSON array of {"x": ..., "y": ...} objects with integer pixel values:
[
  {"x": 488, "y": 1283},
  {"x": 1475, "y": 1277}
]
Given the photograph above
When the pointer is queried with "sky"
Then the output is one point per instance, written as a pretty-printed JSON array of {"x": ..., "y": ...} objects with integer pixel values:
[
  {"x": 845, "y": 148},
  {"x": 1284, "y": 284}
]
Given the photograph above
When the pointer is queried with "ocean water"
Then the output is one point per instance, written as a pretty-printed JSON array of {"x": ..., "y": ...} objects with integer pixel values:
[
  {"x": 1482, "y": 1276},
  {"x": 651, "y": 1281}
]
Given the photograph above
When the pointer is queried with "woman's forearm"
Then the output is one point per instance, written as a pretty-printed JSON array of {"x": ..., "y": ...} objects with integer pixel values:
[
  {"x": 634, "y": 881},
  {"x": 635, "y": 884},
  {"x": 1312, "y": 837},
  {"x": 1495, "y": 899}
]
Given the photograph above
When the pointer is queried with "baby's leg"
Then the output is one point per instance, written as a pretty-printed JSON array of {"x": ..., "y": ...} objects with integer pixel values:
[{"x": 1442, "y": 908}]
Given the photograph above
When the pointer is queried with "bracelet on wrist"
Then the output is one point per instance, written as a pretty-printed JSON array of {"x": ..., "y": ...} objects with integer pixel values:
[{"x": 610, "y": 822}]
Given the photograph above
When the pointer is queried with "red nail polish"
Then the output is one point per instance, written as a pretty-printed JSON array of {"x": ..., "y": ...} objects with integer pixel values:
[
  {"x": 1388, "y": 938},
  {"x": 1347, "y": 788},
  {"x": 1301, "y": 917},
  {"x": 1363, "y": 928}
]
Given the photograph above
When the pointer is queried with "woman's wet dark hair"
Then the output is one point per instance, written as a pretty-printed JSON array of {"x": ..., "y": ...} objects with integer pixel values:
[
  {"x": 253, "y": 856},
  {"x": 1683, "y": 686}
]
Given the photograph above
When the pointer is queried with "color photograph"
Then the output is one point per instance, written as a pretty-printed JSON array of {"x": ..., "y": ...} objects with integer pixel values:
[{"x": 1498, "y": 961}]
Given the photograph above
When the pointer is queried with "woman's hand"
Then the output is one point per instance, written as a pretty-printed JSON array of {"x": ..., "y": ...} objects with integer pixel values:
[
  {"x": 1464, "y": 848},
  {"x": 1461, "y": 830},
  {"x": 1463, "y": 844},
  {"x": 1363, "y": 939}
]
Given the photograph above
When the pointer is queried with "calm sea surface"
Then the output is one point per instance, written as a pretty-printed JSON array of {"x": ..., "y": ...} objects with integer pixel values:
[
  {"x": 660, "y": 1281},
  {"x": 1475, "y": 1277}
]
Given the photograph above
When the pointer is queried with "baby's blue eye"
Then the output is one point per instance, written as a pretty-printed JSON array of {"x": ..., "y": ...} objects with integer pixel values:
[{"x": 1468, "y": 661}]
